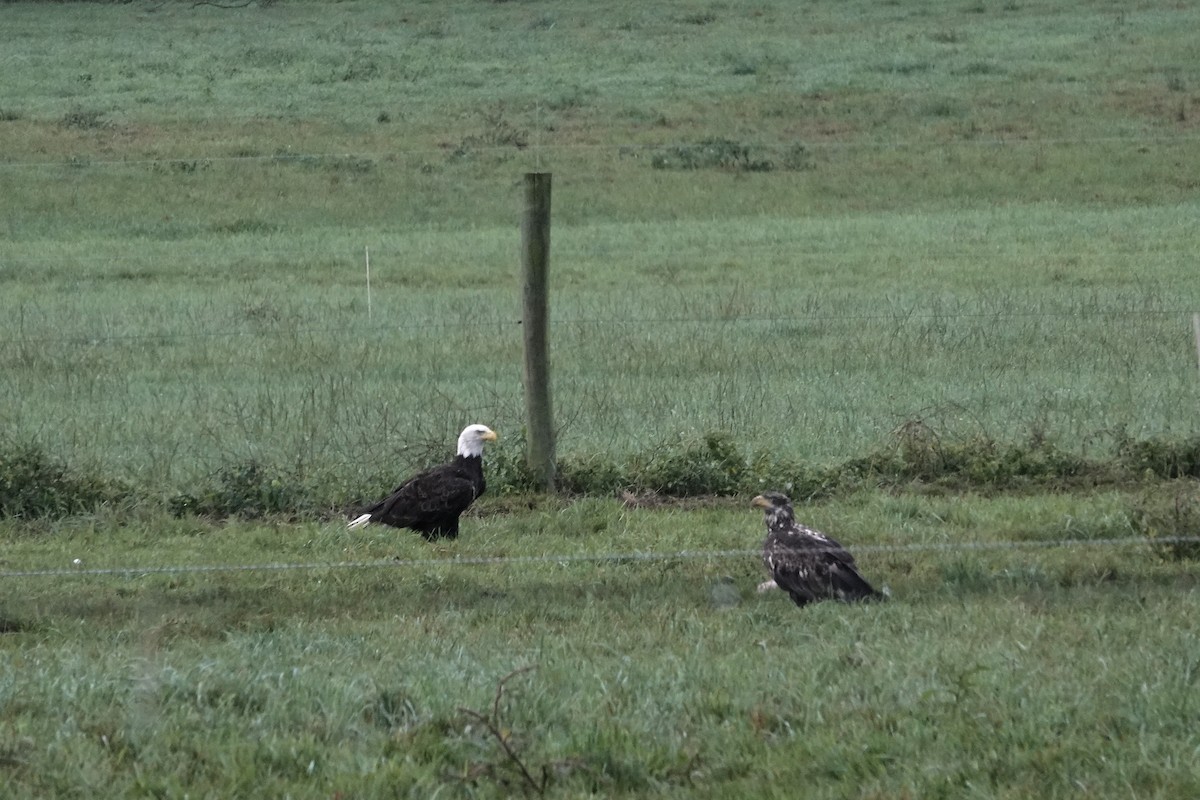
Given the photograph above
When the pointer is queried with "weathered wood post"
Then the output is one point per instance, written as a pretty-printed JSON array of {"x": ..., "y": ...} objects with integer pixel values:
[{"x": 535, "y": 260}]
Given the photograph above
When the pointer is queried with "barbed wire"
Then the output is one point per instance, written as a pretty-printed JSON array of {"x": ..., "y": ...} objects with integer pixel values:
[
  {"x": 352, "y": 253},
  {"x": 577, "y": 558},
  {"x": 933, "y": 248},
  {"x": 900, "y": 316},
  {"x": 620, "y": 148}
]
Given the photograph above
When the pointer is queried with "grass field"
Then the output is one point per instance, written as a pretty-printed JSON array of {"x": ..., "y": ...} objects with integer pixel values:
[
  {"x": 982, "y": 214},
  {"x": 995, "y": 673},
  {"x": 807, "y": 230}
]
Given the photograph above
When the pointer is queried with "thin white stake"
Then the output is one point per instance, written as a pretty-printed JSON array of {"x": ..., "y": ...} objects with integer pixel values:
[
  {"x": 1196, "y": 333},
  {"x": 367, "y": 252}
]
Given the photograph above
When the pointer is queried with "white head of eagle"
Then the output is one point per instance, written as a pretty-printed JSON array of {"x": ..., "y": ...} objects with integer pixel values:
[
  {"x": 470, "y": 441},
  {"x": 804, "y": 562}
]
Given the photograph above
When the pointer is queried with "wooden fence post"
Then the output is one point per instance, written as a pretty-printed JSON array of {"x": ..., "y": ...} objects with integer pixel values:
[{"x": 535, "y": 259}]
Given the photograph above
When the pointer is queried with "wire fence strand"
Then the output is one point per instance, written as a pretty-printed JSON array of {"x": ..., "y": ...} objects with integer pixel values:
[
  {"x": 90, "y": 340},
  {"x": 565, "y": 559}
]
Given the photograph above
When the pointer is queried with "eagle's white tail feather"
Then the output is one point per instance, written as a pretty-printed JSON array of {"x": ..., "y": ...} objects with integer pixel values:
[{"x": 359, "y": 522}]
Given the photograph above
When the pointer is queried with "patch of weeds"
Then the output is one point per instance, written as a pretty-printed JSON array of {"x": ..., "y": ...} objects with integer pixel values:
[
  {"x": 915, "y": 455},
  {"x": 84, "y": 119},
  {"x": 393, "y": 710},
  {"x": 573, "y": 98},
  {"x": 1161, "y": 457},
  {"x": 246, "y": 489},
  {"x": 181, "y": 166},
  {"x": 360, "y": 68},
  {"x": 946, "y": 36},
  {"x": 943, "y": 107},
  {"x": 355, "y": 165},
  {"x": 800, "y": 481},
  {"x": 349, "y": 164},
  {"x": 428, "y": 742},
  {"x": 261, "y": 312},
  {"x": 797, "y": 158},
  {"x": 434, "y": 30},
  {"x": 981, "y": 68},
  {"x": 8, "y": 115},
  {"x": 243, "y": 226},
  {"x": 34, "y": 485},
  {"x": 591, "y": 475},
  {"x": 903, "y": 67},
  {"x": 699, "y": 18},
  {"x": 977, "y": 460},
  {"x": 712, "y": 466},
  {"x": 510, "y": 767},
  {"x": 710, "y": 154},
  {"x": 507, "y": 470},
  {"x": 226, "y": 694},
  {"x": 269, "y": 57},
  {"x": 966, "y": 575},
  {"x": 497, "y": 133},
  {"x": 1169, "y": 517}
]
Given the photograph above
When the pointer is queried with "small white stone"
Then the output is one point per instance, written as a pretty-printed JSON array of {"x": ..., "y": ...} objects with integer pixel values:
[{"x": 77, "y": 561}]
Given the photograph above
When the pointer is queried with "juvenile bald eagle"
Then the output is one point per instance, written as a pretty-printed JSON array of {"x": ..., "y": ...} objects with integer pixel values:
[
  {"x": 432, "y": 501},
  {"x": 804, "y": 562}
]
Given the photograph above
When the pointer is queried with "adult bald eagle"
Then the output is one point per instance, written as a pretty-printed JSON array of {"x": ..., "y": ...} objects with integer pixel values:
[
  {"x": 806, "y": 563},
  {"x": 432, "y": 501}
]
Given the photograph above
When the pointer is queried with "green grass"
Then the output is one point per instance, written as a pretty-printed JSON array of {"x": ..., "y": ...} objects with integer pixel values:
[
  {"x": 999, "y": 321},
  {"x": 971, "y": 212},
  {"x": 815, "y": 233},
  {"x": 997, "y": 673}
]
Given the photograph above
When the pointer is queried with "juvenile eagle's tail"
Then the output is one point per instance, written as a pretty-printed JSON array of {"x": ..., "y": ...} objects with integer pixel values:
[{"x": 359, "y": 522}]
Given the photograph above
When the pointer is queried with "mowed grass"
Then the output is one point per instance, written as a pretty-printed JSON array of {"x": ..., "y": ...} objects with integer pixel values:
[{"x": 1006, "y": 672}]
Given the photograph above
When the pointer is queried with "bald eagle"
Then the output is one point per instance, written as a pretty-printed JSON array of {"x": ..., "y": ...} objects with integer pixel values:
[
  {"x": 432, "y": 501},
  {"x": 804, "y": 562}
]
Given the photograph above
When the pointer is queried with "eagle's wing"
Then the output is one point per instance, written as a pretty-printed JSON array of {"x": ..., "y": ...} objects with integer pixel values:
[
  {"x": 430, "y": 497},
  {"x": 811, "y": 566},
  {"x": 844, "y": 580}
]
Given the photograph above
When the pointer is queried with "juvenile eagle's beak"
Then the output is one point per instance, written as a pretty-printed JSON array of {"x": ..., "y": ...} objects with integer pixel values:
[{"x": 760, "y": 502}]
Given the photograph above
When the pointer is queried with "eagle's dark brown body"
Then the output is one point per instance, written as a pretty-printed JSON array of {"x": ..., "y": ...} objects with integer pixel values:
[
  {"x": 431, "y": 502},
  {"x": 806, "y": 563}
]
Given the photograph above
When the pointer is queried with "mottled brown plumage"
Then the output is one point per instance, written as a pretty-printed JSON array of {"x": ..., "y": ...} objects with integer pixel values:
[{"x": 806, "y": 563}]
